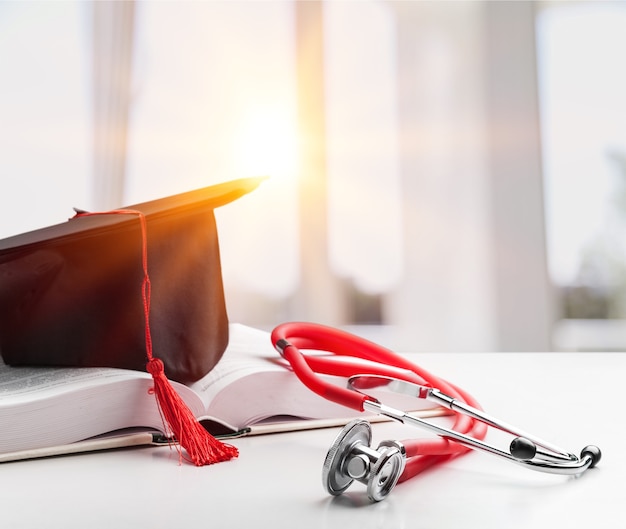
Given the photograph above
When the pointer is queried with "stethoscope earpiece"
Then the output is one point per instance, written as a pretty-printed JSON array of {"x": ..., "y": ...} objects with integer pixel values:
[
  {"x": 351, "y": 457},
  {"x": 522, "y": 449},
  {"x": 593, "y": 452}
]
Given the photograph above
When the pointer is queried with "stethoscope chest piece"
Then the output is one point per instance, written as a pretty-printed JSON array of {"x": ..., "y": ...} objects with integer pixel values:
[{"x": 350, "y": 458}]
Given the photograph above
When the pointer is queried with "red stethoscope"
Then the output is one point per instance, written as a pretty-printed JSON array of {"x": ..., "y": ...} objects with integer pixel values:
[{"x": 351, "y": 458}]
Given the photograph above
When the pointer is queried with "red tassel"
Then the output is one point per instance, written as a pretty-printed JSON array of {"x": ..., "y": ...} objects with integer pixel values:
[{"x": 201, "y": 447}]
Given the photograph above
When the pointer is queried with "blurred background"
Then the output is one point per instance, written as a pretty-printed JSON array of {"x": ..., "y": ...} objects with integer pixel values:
[{"x": 444, "y": 176}]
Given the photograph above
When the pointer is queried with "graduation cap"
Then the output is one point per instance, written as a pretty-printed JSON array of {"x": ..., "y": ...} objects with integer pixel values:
[{"x": 135, "y": 288}]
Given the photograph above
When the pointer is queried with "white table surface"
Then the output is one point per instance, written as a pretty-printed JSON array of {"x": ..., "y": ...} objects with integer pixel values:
[{"x": 569, "y": 399}]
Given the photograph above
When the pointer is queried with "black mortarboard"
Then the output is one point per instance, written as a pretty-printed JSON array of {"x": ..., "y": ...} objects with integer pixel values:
[{"x": 70, "y": 294}]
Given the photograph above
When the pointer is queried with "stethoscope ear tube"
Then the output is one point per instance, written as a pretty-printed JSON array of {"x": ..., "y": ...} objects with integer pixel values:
[
  {"x": 529, "y": 455},
  {"x": 523, "y": 448}
]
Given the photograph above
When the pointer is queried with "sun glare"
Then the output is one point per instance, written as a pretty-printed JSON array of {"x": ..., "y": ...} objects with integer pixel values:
[{"x": 266, "y": 143}]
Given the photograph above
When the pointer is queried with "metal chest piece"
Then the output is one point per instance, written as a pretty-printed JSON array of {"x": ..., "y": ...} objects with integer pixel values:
[{"x": 350, "y": 458}]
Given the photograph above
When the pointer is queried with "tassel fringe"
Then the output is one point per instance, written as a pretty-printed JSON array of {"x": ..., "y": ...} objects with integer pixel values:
[{"x": 201, "y": 447}]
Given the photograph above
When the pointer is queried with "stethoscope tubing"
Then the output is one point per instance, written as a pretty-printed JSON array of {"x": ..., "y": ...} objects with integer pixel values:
[
  {"x": 470, "y": 422},
  {"x": 291, "y": 338}
]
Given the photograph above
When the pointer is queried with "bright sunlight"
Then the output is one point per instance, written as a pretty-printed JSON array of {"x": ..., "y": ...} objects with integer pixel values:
[{"x": 266, "y": 143}]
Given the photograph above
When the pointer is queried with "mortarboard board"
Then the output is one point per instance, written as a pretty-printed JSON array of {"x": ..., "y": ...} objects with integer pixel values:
[{"x": 69, "y": 293}]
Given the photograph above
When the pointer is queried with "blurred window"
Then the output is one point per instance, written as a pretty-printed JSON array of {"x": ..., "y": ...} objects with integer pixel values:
[{"x": 583, "y": 111}]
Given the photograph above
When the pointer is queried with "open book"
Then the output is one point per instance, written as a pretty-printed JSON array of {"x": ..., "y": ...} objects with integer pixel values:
[{"x": 49, "y": 411}]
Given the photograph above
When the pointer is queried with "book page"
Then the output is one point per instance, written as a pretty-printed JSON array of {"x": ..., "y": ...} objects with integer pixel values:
[
  {"x": 249, "y": 352},
  {"x": 42, "y": 406},
  {"x": 18, "y": 383}
]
